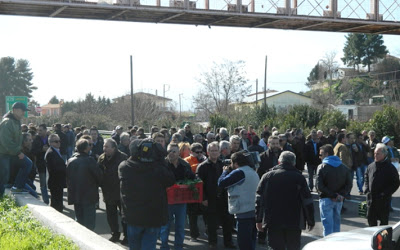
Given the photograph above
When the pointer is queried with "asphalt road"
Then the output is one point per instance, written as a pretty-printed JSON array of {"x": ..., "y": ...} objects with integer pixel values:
[{"x": 350, "y": 220}]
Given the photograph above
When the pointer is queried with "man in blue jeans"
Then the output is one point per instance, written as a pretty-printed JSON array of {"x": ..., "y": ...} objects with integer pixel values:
[
  {"x": 10, "y": 141},
  {"x": 333, "y": 183},
  {"x": 176, "y": 212},
  {"x": 144, "y": 178}
]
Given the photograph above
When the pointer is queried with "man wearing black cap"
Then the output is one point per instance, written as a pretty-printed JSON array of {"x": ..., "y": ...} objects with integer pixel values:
[{"x": 10, "y": 141}]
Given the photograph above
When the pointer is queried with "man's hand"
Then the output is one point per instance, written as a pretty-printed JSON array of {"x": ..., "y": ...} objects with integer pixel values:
[
  {"x": 259, "y": 227},
  {"x": 205, "y": 203},
  {"x": 21, "y": 156}
]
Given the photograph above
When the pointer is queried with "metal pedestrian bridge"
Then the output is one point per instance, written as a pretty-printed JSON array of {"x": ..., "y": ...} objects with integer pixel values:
[{"x": 360, "y": 16}]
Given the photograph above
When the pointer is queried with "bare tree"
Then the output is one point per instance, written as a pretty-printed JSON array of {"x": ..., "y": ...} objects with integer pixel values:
[
  {"x": 331, "y": 66},
  {"x": 222, "y": 85}
]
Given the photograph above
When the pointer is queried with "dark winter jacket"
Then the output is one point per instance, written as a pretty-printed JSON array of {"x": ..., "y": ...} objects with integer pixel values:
[
  {"x": 64, "y": 141},
  {"x": 10, "y": 135},
  {"x": 284, "y": 200},
  {"x": 37, "y": 150},
  {"x": 182, "y": 171},
  {"x": 109, "y": 167},
  {"x": 298, "y": 148},
  {"x": 97, "y": 148},
  {"x": 381, "y": 180},
  {"x": 209, "y": 173},
  {"x": 268, "y": 161},
  {"x": 57, "y": 169},
  {"x": 143, "y": 192},
  {"x": 359, "y": 157},
  {"x": 83, "y": 179},
  {"x": 310, "y": 156},
  {"x": 333, "y": 178}
]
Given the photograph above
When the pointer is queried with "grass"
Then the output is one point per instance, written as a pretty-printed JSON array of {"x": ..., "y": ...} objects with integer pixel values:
[{"x": 20, "y": 230}]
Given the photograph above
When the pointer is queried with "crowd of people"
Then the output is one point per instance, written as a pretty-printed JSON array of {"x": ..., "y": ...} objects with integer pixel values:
[{"x": 252, "y": 198}]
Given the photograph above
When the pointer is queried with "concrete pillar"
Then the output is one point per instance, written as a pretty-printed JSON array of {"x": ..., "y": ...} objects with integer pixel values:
[
  {"x": 375, "y": 9},
  {"x": 334, "y": 8},
  {"x": 207, "y": 4}
]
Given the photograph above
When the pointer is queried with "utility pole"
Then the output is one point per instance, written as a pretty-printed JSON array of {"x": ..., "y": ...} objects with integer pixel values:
[
  {"x": 265, "y": 84},
  {"x": 164, "y": 92},
  {"x": 180, "y": 105},
  {"x": 133, "y": 114},
  {"x": 256, "y": 92}
]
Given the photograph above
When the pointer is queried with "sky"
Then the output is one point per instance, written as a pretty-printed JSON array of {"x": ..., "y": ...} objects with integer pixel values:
[{"x": 71, "y": 57}]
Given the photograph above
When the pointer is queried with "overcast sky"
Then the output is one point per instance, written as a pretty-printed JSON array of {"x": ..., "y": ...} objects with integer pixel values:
[{"x": 71, "y": 57}]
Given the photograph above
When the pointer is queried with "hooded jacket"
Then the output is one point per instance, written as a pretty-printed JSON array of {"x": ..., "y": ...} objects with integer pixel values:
[
  {"x": 143, "y": 192},
  {"x": 10, "y": 135},
  {"x": 333, "y": 178}
]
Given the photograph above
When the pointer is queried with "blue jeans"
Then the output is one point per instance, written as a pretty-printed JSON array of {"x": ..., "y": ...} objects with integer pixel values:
[
  {"x": 86, "y": 215},
  {"x": 177, "y": 214},
  {"x": 43, "y": 188},
  {"x": 360, "y": 172},
  {"x": 246, "y": 233},
  {"x": 142, "y": 238},
  {"x": 23, "y": 173},
  {"x": 5, "y": 163},
  {"x": 330, "y": 215}
]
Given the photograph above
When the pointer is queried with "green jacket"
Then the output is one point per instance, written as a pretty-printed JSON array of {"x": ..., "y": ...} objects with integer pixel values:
[{"x": 10, "y": 135}]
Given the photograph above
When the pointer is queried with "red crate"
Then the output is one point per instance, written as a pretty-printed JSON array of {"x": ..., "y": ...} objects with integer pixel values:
[{"x": 178, "y": 194}]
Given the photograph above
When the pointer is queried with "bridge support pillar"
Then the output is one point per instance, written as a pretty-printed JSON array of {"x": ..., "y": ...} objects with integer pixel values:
[
  {"x": 334, "y": 6},
  {"x": 375, "y": 9}
]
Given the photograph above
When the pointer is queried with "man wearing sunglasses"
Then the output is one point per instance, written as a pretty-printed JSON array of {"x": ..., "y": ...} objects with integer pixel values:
[{"x": 57, "y": 172}]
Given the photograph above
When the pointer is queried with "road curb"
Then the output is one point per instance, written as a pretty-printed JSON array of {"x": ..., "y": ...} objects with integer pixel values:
[{"x": 59, "y": 223}]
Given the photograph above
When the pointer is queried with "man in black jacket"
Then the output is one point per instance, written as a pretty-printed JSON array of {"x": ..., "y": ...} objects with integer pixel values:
[
  {"x": 214, "y": 198},
  {"x": 108, "y": 163},
  {"x": 269, "y": 158},
  {"x": 64, "y": 140},
  {"x": 57, "y": 172},
  {"x": 311, "y": 157},
  {"x": 143, "y": 194},
  {"x": 284, "y": 204},
  {"x": 39, "y": 148},
  {"x": 333, "y": 183},
  {"x": 83, "y": 180},
  {"x": 381, "y": 181}
]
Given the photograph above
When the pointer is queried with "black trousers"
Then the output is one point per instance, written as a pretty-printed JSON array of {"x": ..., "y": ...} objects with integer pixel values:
[
  {"x": 57, "y": 198},
  {"x": 219, "y": 217},
  {"x": 112, "y": 212},
  {"x": 284, "y": 239},
  {"x": 378, "y": 210},
  {"x": 193, "y": 212}
]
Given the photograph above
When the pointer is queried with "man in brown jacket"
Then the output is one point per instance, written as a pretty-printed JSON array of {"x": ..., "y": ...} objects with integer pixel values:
[{"x": 343, "y": 152}]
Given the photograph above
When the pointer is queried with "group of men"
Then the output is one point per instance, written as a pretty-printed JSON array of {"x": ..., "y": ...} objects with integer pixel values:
[{"x": 254, "y": 199}]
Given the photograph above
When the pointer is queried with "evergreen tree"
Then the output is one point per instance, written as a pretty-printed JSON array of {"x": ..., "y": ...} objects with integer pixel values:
[
  {"x": 15, "y": 79},
  {"x": 374, "y": 49},
  {"x": 54, "y": 100}
]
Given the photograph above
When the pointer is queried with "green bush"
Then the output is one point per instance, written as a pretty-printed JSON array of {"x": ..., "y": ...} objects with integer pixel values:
[
  {"x": 387, "y": 122},
  {"x": 332, "y": 119},
  {"x": 20, "y": 230}
]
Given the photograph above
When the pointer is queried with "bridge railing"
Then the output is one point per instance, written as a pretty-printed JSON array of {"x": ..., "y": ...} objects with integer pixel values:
[{"x": 378, "y": 10}]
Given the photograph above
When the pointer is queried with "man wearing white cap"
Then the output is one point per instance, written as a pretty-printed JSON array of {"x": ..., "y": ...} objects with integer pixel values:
[{"x": 393, "y": 153}]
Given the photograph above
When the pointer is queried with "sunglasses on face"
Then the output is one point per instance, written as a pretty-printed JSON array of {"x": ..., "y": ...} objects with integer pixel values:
[
  {"x": 199, "y": 152},
  {"x": 56, "y": 141}
]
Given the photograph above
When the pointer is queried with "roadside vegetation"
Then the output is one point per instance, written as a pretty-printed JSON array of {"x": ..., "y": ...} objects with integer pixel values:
[{"x": 20, "y": 230}]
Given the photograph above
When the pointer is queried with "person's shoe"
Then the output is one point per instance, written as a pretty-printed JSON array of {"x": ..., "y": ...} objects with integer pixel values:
[
  {"x": 206, "y": 235},
  {"x": 261, "y": 241},
  {"x": 361, "y": 193},
  {"x": 15, "y": 190},
  {"x": 125, "y": 241},
  {"x": 230, "y": 245},
  {"x": 194, "y": 240},
  {"x": 391, "y": 209},
  {"x": 115, "y": 237}
]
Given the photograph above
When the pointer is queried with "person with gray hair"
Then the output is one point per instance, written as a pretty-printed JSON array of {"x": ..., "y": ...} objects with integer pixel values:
[
  {"x": 214, "y": 199},
  {"x": 225, "y": 149},
  {"x": 124, "y": 143},
  {"x": 381, "y": 181},
  {"x": 108, "y": 163},
  {"x": 284, "y": 204},
  {"x": 223, "y": 134},
  {"x": 235, "y": 143}
]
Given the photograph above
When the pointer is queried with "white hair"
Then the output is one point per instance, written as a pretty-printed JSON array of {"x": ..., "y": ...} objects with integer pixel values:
[{"x": 383, "y": 147}]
